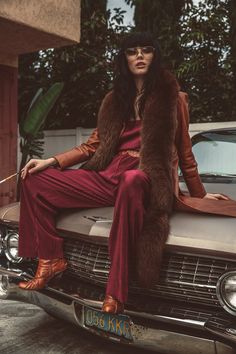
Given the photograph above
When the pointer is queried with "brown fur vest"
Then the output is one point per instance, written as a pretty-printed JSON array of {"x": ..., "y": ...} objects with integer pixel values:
[{"x": 157, "y": 139}]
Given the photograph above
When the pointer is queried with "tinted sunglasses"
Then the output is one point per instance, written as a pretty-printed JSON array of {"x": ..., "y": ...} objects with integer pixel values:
[{"x": 131, "y": 52}]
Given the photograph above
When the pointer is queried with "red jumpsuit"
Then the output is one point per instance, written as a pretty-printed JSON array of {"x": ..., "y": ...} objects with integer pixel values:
[{"x": 121, "y": 185}]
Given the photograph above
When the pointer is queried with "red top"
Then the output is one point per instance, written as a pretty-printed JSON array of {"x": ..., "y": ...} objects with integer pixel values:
[{"x": 130, "y": 138}]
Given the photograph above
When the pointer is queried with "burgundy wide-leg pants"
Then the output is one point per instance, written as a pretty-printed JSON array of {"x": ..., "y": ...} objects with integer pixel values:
[{"x": 121, "y": 185}]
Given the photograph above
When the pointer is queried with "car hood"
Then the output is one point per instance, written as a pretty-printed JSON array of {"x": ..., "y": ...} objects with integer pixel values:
[{"x": 190, "y": 232}]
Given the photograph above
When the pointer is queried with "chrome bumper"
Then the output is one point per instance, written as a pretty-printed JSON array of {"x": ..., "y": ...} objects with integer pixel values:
[{"x": 156, "y": 337}]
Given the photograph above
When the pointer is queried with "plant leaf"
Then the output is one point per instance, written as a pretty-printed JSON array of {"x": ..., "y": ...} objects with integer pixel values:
[
  {"x": 36, "y": 98},
  {"x": 40, "y": 109}
]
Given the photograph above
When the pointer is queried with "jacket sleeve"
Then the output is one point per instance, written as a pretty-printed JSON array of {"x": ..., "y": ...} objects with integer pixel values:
[
  {"x": 187, "y": 162},
  {"x": 79, "y": 153}
]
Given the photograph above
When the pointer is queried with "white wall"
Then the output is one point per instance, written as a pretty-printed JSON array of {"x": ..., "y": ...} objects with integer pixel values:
[
  {"x": 61, "y": 140},
  {"x": 57, "y": 141}
]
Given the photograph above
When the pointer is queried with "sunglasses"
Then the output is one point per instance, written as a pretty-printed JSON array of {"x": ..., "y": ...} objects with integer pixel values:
[{"x": 131, "y": 52}]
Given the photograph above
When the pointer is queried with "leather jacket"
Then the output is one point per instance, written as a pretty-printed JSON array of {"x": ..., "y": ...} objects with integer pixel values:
[{"x": 182, "y": 152}]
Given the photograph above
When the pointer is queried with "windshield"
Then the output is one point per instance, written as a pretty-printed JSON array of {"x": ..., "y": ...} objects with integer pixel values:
[{"x": 216, "y": 153}]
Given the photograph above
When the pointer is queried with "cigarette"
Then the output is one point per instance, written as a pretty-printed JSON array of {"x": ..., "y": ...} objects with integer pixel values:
[{"x": 9, "y": 177}]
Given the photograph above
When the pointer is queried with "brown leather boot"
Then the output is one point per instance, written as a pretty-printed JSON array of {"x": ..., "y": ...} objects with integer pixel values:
[
  {"x": 111, "y": 305},
  {"x": 47, "y": 269}
]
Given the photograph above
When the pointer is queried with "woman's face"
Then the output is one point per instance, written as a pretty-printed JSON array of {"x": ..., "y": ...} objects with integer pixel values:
[{"x": 139, "y": 59}]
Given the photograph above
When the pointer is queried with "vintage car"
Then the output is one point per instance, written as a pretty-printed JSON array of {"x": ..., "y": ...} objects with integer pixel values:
[{"x": 192, "y": 309}]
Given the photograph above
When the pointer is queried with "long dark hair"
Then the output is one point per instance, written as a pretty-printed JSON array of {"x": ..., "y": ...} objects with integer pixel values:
[{"x": 124, "y": 85}]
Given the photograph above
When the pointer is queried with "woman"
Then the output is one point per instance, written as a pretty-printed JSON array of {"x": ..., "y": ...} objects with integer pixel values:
[{"x": 133, "y": 157}]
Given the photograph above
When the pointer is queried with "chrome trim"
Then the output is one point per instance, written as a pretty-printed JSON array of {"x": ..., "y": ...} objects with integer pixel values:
[
  {"x": 1, "y": 246},
  {"x": 17, "y": 275},
  {"x": 222, "y": 326},
  {"x": 191, "y": 278},
  {"x": 143, "y": 337},
  {"x": 190, "y": 284},
  {"x": 3, "y": 286},
  {"x": 6, "y": 249},
  {"x": 219, "y": 295},
  {"x": 159, "y": 339}
]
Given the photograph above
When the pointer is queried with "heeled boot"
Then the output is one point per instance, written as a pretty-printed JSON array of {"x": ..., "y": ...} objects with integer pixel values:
[
  {"x": 111, "y": 305},
  {"x": 47, "y": 269}
]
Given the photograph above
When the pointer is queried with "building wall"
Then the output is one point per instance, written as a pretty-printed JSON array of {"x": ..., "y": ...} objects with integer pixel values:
[
  {"x": 8, "y": 131},
  {"x": 28, "y": 26}
]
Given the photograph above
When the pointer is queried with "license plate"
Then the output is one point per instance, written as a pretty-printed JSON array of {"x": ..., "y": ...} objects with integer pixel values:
[{"x": 115, "y": 324}]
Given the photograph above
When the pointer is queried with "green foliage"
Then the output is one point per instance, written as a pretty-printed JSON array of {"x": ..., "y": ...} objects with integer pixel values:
[
  {"x": 86, "y": 68},
  {"x": 32, "y": 124},
  {"x": 31, "y": 142},
  {"x": 31, "y": 147},
  {"x": 232, "y": 55},
  {"x": 198, "y": 42},
  {"x": 161, "y": 17},
  {"x": 39, "y": 109},
  {"x": 206, "y": 71}
]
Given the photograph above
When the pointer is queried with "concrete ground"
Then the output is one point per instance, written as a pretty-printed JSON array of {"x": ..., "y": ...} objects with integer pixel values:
[{"x": 26, "y": 329}]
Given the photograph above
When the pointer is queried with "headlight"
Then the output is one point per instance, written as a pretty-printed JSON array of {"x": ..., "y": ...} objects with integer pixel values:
[
  {"x": 11, "y": 247},
  {"x": 226, "y": 291}
]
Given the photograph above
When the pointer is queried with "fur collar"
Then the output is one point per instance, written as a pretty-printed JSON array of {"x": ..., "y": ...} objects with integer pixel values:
[{"x": 157, "y": 140}]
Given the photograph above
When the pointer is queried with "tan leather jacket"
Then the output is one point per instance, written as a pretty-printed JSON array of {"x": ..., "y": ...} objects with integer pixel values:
[{"x": 182, "y": 154}]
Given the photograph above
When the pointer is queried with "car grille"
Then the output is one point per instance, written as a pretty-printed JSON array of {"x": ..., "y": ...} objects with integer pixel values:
[{"x": 183, "y": 277}]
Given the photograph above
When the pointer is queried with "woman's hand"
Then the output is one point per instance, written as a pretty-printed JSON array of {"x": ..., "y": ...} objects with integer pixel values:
[
  {"x": 36, "y": 165},
  {"x": 216, "y": 196}
]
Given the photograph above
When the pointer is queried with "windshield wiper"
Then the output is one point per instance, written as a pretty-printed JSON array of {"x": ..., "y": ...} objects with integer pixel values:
[{"x": 212, "y": 174}]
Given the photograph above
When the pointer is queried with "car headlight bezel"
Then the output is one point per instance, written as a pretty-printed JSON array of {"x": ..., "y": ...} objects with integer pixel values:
[
  {"x": 11, "y": 246},
  {"x": 227, "y": 280}
]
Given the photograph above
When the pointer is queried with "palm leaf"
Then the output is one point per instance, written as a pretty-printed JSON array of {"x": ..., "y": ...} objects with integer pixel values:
[
  {"x": 40, "y": 108},
  {"x": 36, "y": 98},
  {"x": 34, "y": 101}
]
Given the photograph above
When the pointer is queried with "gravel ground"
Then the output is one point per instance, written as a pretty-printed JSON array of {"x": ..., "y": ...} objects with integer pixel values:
[{"x": 28, "y": 329}]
